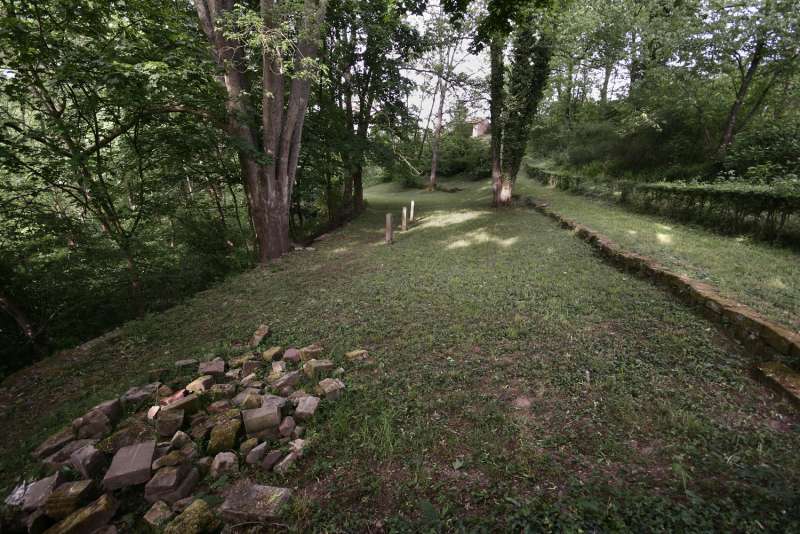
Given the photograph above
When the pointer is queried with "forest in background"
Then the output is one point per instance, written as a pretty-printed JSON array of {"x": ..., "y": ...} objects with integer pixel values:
[{"x": 124, "y": 160}]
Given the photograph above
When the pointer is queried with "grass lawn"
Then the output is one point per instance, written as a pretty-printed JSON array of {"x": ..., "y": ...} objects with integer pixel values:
[
  {"x": 520, "y": 382},
  {"x": 763, "y": 276}
]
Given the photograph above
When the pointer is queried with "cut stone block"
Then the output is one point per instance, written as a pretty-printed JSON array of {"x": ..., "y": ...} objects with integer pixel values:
[
  {"x": 130, "y": 466},
  {"x": 219, "y": 406},
  {"x": 330, "y": 388},
  {"x": 223, "y": 391},
  {"x": 306, "y": 407},
  {"x": 54, "y": 443},
  {"x": 215, "y": 368},
  {"x": 39, "y": 491},
  {"x": 67, "y": 498},
  {"x": 88, "y": 461},
  {"x": 256, "y": 454},
  {"x": 315, "y": 368},
  {"x": 310, "y": 352},
  {"x": 200, "y": 385},
  {"x": 179, "y": 440},
  {"x": 261, "y": 332},
  {"x": 248, "y": 502},
  {"x": 111, "y": 409},
  {"x": 88, "y": 519},
  {"x": 289, "y": 379},
  {"x": 169, "y": 422},
  {"x": 171, "y": 484},
  {"x": 261, "y": 418},
  {"x": 781, "y": 379},
  {"x": 189, "y": 404}
]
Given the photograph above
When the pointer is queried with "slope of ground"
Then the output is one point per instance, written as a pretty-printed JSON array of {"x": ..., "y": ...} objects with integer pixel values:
[
  {"x": 520, "y": 381},
  {"x": 755, "y": 273}
]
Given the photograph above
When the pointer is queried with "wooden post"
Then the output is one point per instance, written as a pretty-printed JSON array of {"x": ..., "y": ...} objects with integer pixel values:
[
  {"x": 404, "y": 220},
  {"x": 389, "y": 237},
  {"x": 411, "y": 218}
]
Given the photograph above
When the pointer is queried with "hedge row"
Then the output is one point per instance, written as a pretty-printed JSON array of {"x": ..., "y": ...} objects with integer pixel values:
[{"x": 768, "y": 211}]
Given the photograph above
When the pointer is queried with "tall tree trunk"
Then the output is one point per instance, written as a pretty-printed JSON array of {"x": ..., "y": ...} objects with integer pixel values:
[
  {"x": 437, "y": 134},
  {"x": 25, "y": 324},
  {"x": 496, "y": 47},
  {"x": 607, "y": 70},
  {"x": 741, "y": 94}
]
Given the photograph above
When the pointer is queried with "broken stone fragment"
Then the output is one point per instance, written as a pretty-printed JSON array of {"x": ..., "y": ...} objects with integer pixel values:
[
  {"x": 310, "y": 352},
  {"x": 130, "y": 466},
  {"x": 54, "y": 443},
  {"x": 171, "y": 484},
  {"x": 88, "y": 461},
  {"x": 261, "y": 332},
  {"x": 219, "y": 406},
  {"x": 248, "y": 502},
  {"x": 200, "y": 385},
  {"x": 224, "y": 462},
  {"x": 179, "y": 440},
  {"x": 169, "y": 422},
  {"x": 189, "y": 404},
  {"x": 247, "y": 446},
  {"x": 278, "y": 370},
  {"x": 259, "y": 419},
  {"x": 198, "y": 518},
  {"x": 356, "y": 355},
  {"x": 164, "y": 391},
  {"x": 57, "y": 460},
  {"x": 250, "y": 366},
  {"x": 284, "y": 465},
  {"x": 298, "y": 446},
  {"x": 67, "y": 498},
  {"x": 223, "y": 391},
  {"x": 289, "y": 379},
  {"x": 223, "y": 436},
  {"x": 158, "y": 514},
  {"x": 204, "y": 464},
  {"x": 295, "y": 397},
  {"x": 200, "y": 427},
  {"x": 298, "y": 431},
  {"x": 17, "y": 495},
  {"x": 330, "y": 388},
  {"x": 272, "y": 353},
  {"x": 136, "y": 396},
  {"x": 257, "y": 454},
  {"x": 233, "y": 374},
  {"x": 315, "y": 368},
  {"x": 182, "y": 504},
  {"x": 184, "y": 366},
  {"x": 292, "y": 355},
  {"x": 239, "y": 361},
  {"x": 111, "y": 409},
  {"x": 270, "y": 459},
  {"x": 249, "y": 380},
  {"x": 176, "y": 396},
  {"x": 132, "y": 431},
  {"x": 88, "y": 519},
  {"x": 274, "y": 400},
  {"x": 249, "y": 400},
  {"x": 93, "y": 424},
  {"x": 306, "y": 407},
  {"x": 152, "y": 413},
  {"x": 38, "y": 492},
  {"x": 215, "y": 368},
  {"x": 287, "y": 426}
]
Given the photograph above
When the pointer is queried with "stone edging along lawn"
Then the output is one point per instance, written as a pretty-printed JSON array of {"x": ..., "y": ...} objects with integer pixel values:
[{"x": 765, "y": 340}]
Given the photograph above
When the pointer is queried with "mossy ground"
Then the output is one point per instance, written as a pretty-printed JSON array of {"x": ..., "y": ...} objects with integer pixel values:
[{"x": 520, "y": 382}]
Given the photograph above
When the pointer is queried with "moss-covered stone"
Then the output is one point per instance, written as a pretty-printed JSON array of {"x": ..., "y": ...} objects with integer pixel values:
[
  {"x": 198, "y": 518},
  {"x": 223, "y": 435}
]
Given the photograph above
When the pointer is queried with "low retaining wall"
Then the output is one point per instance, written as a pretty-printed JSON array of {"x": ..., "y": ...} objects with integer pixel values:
[{"x": 763, "y": 338}]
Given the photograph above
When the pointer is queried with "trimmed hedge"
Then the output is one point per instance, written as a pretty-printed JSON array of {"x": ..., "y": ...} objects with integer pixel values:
[{"x": 769, "y": 211}]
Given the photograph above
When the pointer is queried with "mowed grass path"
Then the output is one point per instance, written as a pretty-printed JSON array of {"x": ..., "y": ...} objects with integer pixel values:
[
  {"x": 520, "y": 382},
  {"x": 755, "y": 273}
]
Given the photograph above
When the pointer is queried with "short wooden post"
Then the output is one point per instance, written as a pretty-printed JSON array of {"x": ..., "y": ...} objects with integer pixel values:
[
  {"x": 389, "y": 237},
  {"x": 404, "y": 220},
  {"x": 411, "y": 217}
]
